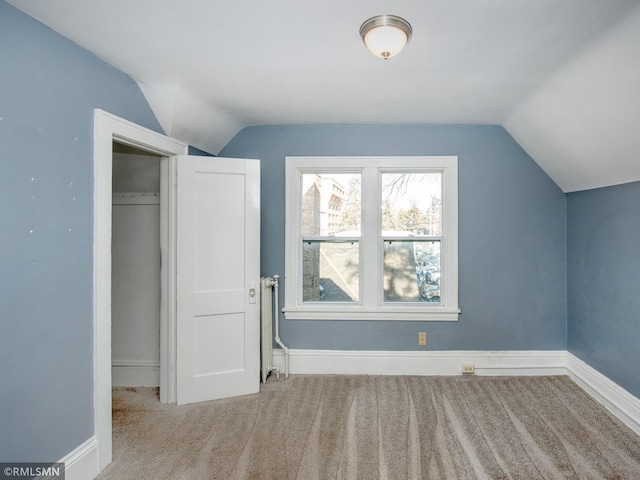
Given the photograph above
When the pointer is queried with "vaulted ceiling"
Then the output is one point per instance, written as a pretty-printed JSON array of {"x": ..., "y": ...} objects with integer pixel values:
[{"x": 563, "y": 77}]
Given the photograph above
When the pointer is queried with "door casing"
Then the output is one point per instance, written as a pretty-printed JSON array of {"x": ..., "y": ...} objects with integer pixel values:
[{"x": 107, "y": 129}]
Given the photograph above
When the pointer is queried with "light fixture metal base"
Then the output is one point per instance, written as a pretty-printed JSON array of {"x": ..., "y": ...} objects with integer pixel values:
[{"x": 378, "y": 46}]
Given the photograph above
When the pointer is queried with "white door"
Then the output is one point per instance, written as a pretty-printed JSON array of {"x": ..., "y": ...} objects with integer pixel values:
[{"x": 218, "y": 276}]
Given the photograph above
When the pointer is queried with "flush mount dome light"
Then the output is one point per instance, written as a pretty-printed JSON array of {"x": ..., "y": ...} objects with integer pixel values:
[{"x": 385, "y": 35}]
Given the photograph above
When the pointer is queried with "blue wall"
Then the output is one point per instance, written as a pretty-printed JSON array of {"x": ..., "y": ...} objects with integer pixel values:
[
  {"x": 512, "y": 275},
  {"x": 48, "y": 89},
  {"x": 603, "y": 278},
  {"x": 197, "y": 152}
]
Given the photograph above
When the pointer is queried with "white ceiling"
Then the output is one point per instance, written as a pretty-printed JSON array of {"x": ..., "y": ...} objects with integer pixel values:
[{"x": 563, "y": 77}]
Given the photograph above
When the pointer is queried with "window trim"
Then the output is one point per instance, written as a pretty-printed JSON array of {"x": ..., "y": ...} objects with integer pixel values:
[{"x": 371, "y": 305}]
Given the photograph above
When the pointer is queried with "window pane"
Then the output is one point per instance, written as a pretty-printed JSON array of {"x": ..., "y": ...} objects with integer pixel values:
[
  {"x": 330, "y": 271},
  {"x": 331, "y": 204},
  {"x": 411, "y": 271},
  {"x": 411, "y": 204}
]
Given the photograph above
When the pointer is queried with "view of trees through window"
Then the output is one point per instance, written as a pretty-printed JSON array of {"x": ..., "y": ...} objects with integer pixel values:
[
  {"x": 410, "y": 206},
  {"x": 411, "y": 213}
]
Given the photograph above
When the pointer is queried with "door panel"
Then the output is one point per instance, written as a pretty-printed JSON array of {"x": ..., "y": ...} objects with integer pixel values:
[
  {"x": 218, "y": 232},
  {"x": 215, "y": 340}
]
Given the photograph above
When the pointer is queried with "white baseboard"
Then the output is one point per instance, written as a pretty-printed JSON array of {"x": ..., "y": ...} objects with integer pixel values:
[
  {"x": 135, "y": 374},
  {"x": 615, "y": 398},
  {"x": 82, "y": 463},
  {"x": 422, "y": 363}
]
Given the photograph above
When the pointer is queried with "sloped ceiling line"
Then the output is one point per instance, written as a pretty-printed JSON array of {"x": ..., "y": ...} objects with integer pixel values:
[{"x": 581, "y": 125}]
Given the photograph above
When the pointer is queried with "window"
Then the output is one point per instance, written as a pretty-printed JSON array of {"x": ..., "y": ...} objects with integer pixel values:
[{"x": 371, "y": 238}]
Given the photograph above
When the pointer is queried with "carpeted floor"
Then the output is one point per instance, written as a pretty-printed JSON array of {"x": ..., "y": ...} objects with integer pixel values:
[{"x": 370, "y": 427}]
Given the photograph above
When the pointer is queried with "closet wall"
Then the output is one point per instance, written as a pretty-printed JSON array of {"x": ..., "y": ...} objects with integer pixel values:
[{"x": 135, "y": 289}]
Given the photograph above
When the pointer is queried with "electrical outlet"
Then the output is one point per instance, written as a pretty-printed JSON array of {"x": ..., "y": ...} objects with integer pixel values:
[
  {"x": 468, "y": 368},
  {"x": 422, "y": 338}
]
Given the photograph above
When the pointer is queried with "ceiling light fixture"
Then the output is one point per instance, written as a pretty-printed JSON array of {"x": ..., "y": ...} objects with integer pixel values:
[{"x": 385, "y": 35}]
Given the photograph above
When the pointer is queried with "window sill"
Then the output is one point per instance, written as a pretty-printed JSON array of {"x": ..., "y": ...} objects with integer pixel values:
[{"x": 385, "y": 314}]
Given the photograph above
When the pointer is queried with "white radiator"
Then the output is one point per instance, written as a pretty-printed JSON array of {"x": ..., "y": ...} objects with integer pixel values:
[
  {"x": 269, "y": 312},
  {"x": 266, "y": 327}
]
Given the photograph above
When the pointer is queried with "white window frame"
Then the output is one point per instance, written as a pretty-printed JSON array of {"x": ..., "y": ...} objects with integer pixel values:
[{"x": 371, "y": 305}]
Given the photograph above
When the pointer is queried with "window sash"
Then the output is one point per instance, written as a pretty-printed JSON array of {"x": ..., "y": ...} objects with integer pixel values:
[
  {"x": 339, "y": 282},
  {"x": 426, "y": 274}
]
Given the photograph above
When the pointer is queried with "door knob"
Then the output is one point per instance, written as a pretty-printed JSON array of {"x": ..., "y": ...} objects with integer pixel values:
[{"x": 252, "y": 292}]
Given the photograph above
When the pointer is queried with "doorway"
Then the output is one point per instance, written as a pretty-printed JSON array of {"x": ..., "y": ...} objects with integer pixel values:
[{"x": 108, "y": 129}]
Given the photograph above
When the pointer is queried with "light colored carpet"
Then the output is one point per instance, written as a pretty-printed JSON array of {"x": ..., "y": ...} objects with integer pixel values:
[{"x": 369, "y": 427}]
